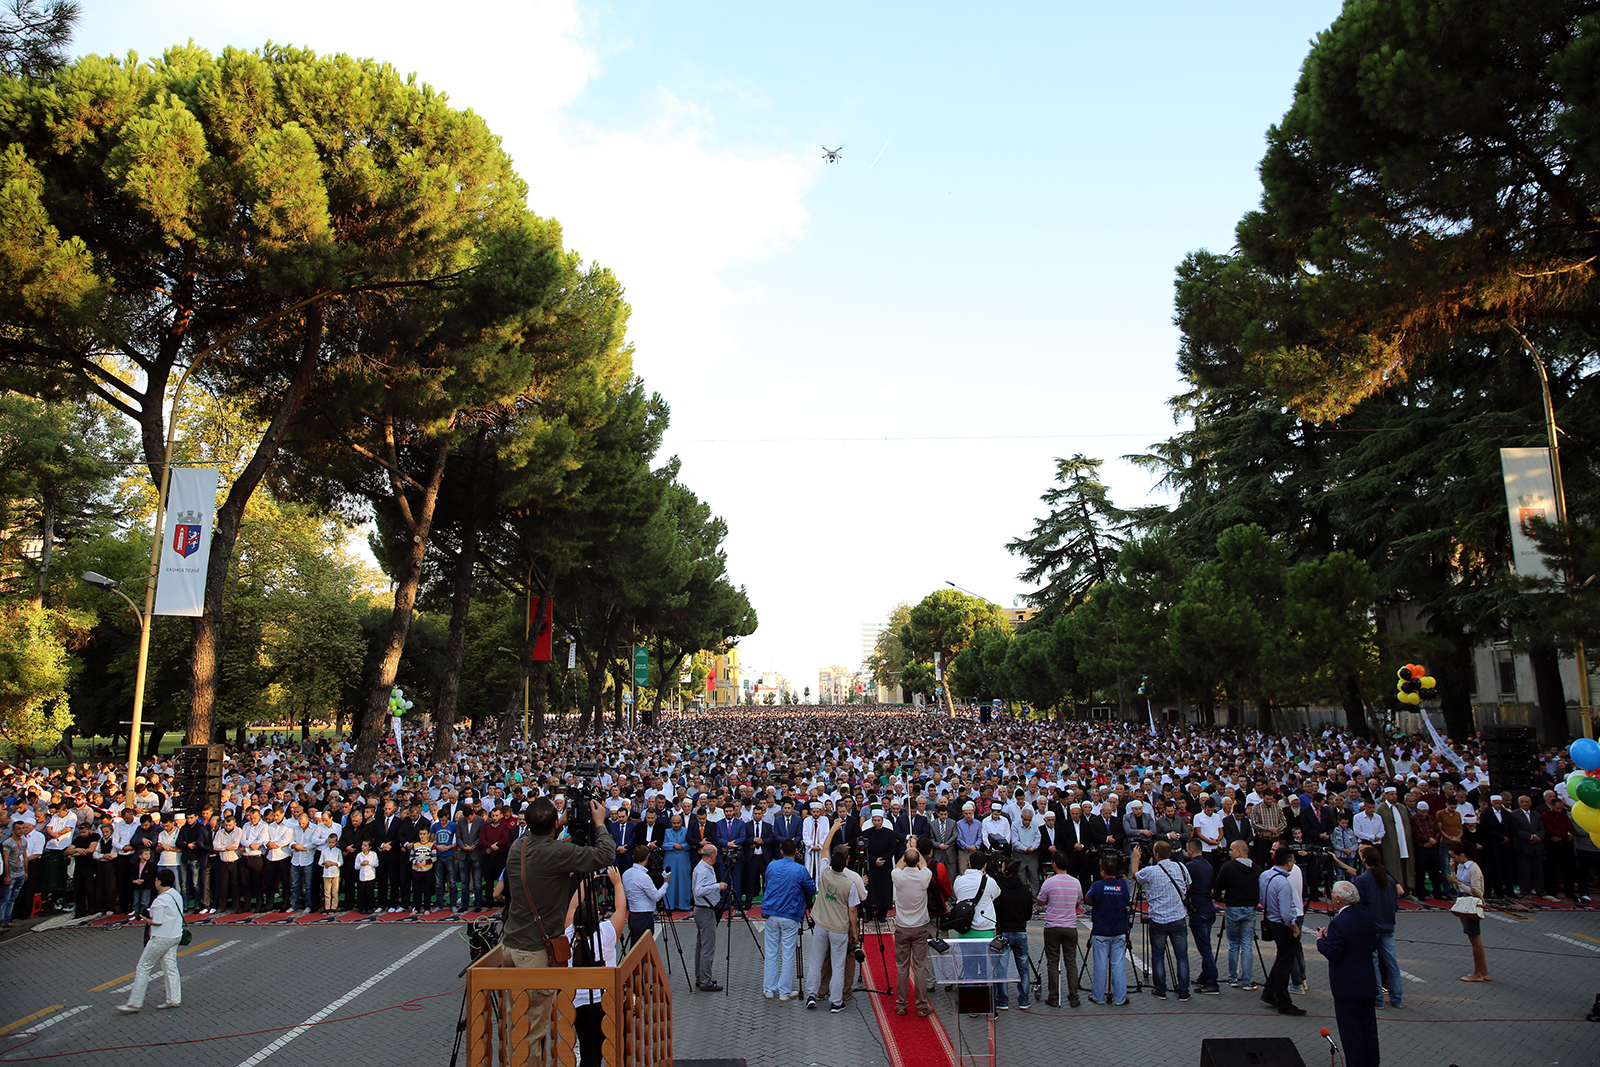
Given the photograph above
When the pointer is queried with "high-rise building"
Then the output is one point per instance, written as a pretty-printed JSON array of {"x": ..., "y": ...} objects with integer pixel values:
[
  {"x": 870, "y": 631},
  {"x": 835, "y": 683}
]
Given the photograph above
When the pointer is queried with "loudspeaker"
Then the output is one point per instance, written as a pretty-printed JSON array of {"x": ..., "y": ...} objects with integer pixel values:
[
  {"x": 975, "y": 999},
  {"x": 1250, "y": 1052}
]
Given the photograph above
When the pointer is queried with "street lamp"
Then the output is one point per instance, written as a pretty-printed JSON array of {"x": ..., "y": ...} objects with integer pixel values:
[{"x": 100, "y": 581}]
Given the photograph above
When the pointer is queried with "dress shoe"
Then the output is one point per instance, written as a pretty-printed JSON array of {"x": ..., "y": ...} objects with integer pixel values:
[{"x": 1290, "y": 1009}]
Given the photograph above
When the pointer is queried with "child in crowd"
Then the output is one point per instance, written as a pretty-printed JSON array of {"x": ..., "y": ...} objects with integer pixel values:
[
  {"x": 422, "y": 872},
  {"x": 144, "y": 883},
  {"x": 330, "y": 857},
  {"x": 366, "y": 876}
]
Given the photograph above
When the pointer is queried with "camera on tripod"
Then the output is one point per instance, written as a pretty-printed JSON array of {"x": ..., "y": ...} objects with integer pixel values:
[
  {"x": 733, "y": 853},
  {"x": 581, "y": 829},
  {"x": 655, "y": 864},
  {"x": 1000, "y": 845}
]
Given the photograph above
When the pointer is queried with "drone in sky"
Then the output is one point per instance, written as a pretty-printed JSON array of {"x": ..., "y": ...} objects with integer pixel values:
[{"x": 832, "y": 155}]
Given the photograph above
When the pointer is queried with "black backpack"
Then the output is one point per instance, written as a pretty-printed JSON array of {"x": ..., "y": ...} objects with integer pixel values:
[{"x": 960, "y": 916}]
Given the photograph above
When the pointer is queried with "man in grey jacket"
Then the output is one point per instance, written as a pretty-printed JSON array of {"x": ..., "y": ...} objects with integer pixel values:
[{"x": 537, "y": 870}]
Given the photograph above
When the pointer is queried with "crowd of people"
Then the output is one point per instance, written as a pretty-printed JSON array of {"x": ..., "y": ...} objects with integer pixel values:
[{"x": 1049, "y": 817}]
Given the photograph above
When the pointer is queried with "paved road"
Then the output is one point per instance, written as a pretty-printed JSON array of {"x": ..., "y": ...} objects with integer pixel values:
[{"x": 336, "y": 994}]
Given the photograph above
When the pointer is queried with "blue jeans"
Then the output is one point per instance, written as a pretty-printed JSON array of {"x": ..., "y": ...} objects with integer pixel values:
[
  {"x": 192, "y": 880},
  {"x": 1201, "y": 929},
  {"x": 444, "y": 880},
  {"x": 1018, "y": 941},
  {"x": 300, "y": 886},
  {"x": 8, "y": 897},
  {"x": 1240, "y": 923},
  {"x": 1109, "y": 950},
  {"x": 1386, "y": 952},
  {"x": 778, "y": 977},
  {"x": 1177, "y": 933}
]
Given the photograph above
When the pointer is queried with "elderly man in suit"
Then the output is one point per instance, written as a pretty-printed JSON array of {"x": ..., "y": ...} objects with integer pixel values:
[{"x": 1348, "y": 942}]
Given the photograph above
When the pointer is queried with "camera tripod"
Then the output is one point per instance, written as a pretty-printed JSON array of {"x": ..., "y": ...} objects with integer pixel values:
[
  {"x": 663, "y": 915},
  {"x": 888, "y": 972},
  {"x": 727, "y": 962}
]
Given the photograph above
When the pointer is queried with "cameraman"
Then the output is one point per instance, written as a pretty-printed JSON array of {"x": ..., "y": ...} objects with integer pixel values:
[
  {"x": 642, "y": 892},
  {"x": 538, "y": 888},
  {"x": 912, "y": 927}
]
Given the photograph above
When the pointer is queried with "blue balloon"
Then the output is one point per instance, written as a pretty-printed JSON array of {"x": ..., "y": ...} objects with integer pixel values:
[{"x": 1586, "y": 753}]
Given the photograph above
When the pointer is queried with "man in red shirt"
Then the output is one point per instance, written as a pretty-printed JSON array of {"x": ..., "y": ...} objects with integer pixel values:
[
  {"x": 1559, "y": 858},
  {"x": 494, "y": 841}
]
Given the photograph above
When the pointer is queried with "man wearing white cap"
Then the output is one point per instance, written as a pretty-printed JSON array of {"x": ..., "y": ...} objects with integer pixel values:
[
  {"x": 969, "y": 836},
  {"x": 814, "y": 836},
  {"x": 883, "y": 847}
]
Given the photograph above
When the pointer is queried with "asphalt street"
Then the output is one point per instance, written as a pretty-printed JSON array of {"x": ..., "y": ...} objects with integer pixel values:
[{"x": 387, "y": 994}]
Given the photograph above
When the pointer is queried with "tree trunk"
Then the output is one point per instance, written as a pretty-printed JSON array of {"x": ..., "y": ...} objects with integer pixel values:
[
  {"x": 1355, "y": 709},
  {"x": 1552, "y": 718},
  {"x": 1454, "y": 673},
  {"x": 667, "y": 672},
  {"x": 456, "y": 647},
  {"x": 47, "y": 537},
  {"x": 539, "y": 683},
  {"x": 206, "y": 653},
  {"x": 393, "y": 642},
  {"x": 241, "y": 736}
]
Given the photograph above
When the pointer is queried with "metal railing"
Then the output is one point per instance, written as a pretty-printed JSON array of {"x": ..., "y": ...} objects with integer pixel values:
[{"x": 635, "y": 999}]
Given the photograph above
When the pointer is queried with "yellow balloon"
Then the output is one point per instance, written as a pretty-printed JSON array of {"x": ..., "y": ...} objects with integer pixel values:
[
  {"x": 1586, "y": 817},
  {"x": 1429, "y": 682}
]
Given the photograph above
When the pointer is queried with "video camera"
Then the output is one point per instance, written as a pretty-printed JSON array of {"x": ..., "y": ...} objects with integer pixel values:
[
  {"x": 581, "y": 829},
  {"x": 1000, "y": 845}
]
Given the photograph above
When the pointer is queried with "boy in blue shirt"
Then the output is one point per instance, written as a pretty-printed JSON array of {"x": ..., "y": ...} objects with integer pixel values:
[
  {"x": 1108, "y": 906},
  {"x": 444, "y": 867}
]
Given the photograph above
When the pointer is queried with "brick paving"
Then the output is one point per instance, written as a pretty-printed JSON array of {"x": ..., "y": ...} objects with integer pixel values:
[{"x": 273, "y": 979}]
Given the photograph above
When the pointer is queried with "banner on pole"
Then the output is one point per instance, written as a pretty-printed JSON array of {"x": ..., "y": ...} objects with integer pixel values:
[
  {"x": 572, "y": 654},
  {"x": 397, "y": 749},
  {"x": 1441, "y": 746},
  {"x": 541, "y": 644},
  {"x": 186, "y": 550},
  {"x": 641, "y": 666},
  {"x": 1530, "y": 494}
]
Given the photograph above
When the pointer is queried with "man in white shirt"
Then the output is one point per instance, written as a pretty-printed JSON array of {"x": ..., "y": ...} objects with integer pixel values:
[
  {"x": 165, "y": 920},
  {"x": 996, "y": 824},
  {"x": 1367, "y": 825},
  {"x": 966, "y": 888}
]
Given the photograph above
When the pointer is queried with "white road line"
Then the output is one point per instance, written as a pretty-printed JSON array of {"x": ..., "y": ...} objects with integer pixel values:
[
  {"x": 1408, "y": 976},
  {"x": 219, "y": 948},
  {"x": 1502, "y": 918},
  {"x": 1574, "y": 941},
  {"x": 36, "y": 1027},
  {"x": 290, "y": 1035}
]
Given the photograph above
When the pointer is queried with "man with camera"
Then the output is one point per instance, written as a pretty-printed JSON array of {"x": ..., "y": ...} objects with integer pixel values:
[
  {"x": 538, "y": 887},
  {"x": 1166, "y": 886},
  {"x": 784, "y": 906},
  {"x": 707, "y": 898},
  {"x": 643, "y": 891},
  {"x": 912, "y": 927}
]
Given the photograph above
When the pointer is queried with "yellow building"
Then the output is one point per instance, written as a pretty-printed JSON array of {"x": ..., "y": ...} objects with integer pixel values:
[{"x": 724, "y": 678}]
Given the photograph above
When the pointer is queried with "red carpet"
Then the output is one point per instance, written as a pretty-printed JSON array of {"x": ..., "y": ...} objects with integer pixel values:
[{"x": 907, "y": 1039}]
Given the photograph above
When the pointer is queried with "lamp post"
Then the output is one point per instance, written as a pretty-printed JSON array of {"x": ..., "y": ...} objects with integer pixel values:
[
  {"x": 1585, "y": 711},
  {"x": 100, "y": 581}
]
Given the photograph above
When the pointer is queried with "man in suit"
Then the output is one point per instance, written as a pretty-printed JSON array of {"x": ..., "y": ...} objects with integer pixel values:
[
  {"x": 625, "y": 832},
  {"x": 786, "y": 826},
  {"x": 1348, "y": 942},
  {"x": 1527, "y": 828},
  {"x": 1495, "y": 841},
  {"x": 1077, "y": 842},
  {"x": 732, "y": 832},
  {"x": 392, "y": 862},
  {"x": 1399, "y": 843},
  {"x": 1235, "y": 827}
]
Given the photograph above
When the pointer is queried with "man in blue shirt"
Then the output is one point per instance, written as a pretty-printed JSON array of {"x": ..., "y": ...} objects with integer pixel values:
[
  {"x": 1281, "y": 922},
  {"x": 1202, "y": 915},
  {"x": 444, "y": 860},
  {"x": 784, "y": 905},
  {"x": 1108, "y": 906}
]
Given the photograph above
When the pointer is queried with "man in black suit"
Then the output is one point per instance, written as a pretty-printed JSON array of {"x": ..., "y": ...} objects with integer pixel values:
[
  {"x": 625, "y": 832},
  {"x": 394, "y": 874},
  {"x": 1495, "y": 837},
  {"x": 1078, "y": 843},
  {"x": 1528, "y": 839},
  {"x": 786, "y": 827},
  {"x": 1348, "y": 942}
]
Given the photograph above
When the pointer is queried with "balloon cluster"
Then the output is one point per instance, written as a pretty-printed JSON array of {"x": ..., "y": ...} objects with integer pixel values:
[
  {"x": 1414, "y": 678},
  {"x": 398, "y": 704},
  {"x": 1583, "y": 784}
]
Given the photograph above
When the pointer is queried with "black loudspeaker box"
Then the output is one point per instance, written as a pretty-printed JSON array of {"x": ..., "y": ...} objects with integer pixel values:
[{"x": 1249, "y": 1052}]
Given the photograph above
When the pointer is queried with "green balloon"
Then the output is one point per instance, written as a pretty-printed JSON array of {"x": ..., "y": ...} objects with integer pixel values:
[{"x": 1588, "y": 792}]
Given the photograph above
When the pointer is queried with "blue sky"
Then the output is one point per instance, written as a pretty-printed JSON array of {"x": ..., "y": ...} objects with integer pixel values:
[{"x": 992, "y": 259}]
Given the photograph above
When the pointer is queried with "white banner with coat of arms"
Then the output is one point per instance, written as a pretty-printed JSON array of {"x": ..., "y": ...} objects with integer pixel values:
[{"x": 186, "y": 552}]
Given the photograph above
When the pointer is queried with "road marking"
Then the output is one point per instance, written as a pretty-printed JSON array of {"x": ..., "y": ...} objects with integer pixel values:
[
  {"x": 52, "y": 1020},
  {"x": 1586, "y": 937},
  {"x": 1573, "y": 941},
  {"x": 8, "y": 1027},
  {"x": 1408, "y": 976},
  {"x": 219, "y": 948},
  {"x": 348, "y": 997},
  {"x": 1502, "y": 916},
  {"x": 103, "y": 986}
]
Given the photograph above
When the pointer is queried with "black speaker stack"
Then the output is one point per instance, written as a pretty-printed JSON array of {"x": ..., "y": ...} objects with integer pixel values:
[
  {"x": 1513, "y": 755},
  {"x": 197, "y": 778},
  {"x": 1249, "y": 1052}
]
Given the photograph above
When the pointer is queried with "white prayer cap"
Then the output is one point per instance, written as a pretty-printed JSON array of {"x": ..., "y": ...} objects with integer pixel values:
[
  {"x": 969, "y": 806},
  {"x": 877, "y": 813},
  {"x": 1422, "y": 805},
  {"x": 816, "y": 805}
]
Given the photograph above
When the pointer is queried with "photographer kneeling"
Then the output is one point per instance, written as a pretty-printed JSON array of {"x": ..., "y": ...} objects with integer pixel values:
[{"x": 538, "y": 889}]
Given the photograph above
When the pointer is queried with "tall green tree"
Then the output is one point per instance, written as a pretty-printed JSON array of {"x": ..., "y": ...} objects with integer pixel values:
[
  {"x": 34, "y": 36},
  {"x": 1076, "y": 544},
  {"x": 944, "y": 622}
]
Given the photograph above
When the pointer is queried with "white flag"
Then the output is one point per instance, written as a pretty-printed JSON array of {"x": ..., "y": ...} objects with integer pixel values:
[
  {"x": 398, "y": 751},
  {"x": 186, "y": 552}
]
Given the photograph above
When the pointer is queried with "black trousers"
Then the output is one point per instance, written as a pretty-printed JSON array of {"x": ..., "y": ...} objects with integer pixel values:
[
  {"x": 586, "y": 1024},
  {"x": 225, "y": 891},
  {"x": 254, "y": 872},
  {"x": 277, "y": 881},
  {"x": 1358, "y": 1031},
  {"x": 1288, "y": 949},
  {"x": 84, "y": 887}
]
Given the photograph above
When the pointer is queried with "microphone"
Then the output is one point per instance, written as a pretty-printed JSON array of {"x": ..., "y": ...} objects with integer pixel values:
[{"x": 1327, "y": 1037}]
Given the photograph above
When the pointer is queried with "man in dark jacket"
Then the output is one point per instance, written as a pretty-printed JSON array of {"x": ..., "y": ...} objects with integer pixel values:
[
  {"x": 1012, "y": 910},
  {"x": 1348, "y": 942}
]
